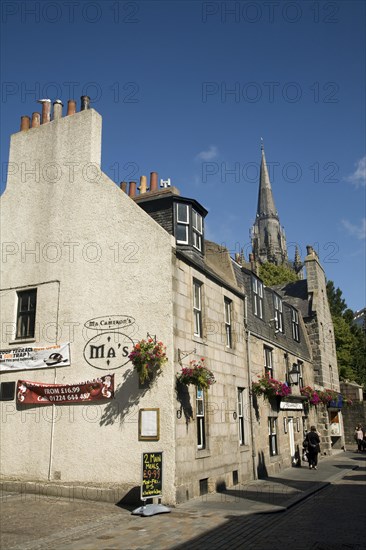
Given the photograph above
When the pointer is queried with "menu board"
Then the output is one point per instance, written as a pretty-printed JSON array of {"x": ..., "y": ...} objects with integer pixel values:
[{"x": 152, "y": 475}]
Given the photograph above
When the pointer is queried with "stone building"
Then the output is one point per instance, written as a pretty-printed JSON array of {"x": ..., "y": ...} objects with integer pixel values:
[{"x": 89, "y": 270}]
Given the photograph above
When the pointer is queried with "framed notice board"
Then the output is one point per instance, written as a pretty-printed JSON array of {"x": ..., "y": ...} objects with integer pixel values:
[
  {"x": 149, "y": 425},
  {"x": 152, "y": 475}
]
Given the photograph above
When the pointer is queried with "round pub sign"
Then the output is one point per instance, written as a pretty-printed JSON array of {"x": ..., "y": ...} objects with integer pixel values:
[{"x": 108, "y": 351}]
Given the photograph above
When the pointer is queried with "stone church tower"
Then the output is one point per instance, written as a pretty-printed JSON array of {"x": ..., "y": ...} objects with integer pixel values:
[{"x": 268, "y": 237}]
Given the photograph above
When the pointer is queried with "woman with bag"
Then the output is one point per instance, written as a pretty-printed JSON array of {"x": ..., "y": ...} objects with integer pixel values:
[{"x": 313, "y": 447}]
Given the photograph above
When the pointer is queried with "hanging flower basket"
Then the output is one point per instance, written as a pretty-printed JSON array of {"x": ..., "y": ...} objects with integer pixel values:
[
  {"x": 269, "y": 387},
  {"x": 328, "y": 396},
  {"x": 197, "y": 374},
  {"x": 311, "y": 395},
  {"x": 148, "y": 356}
]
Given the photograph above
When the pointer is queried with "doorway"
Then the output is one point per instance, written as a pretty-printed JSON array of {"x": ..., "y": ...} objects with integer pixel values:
[{"x": 290, "y": 424}]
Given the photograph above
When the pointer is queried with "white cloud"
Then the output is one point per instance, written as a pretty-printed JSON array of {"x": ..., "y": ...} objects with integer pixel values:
[
  {"x": 358, "y": 178},
  {"x": 210, "y": 154},
  {"x": 358, "y": 231}
]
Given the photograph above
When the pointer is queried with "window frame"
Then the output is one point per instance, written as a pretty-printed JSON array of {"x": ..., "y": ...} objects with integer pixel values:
[
  {"x": 192, "y": 224},
  {"x": 197, "y": 232},
  {"x": 295, "y": 325},
  {"x": 257, "y": 290},
  {"x": 185, "y": 223},
  {"x": 197, "y": 308},
  {"x": 200, "y": 418},
  {"x": 272, "y": 436},
  {"x": 228, "y": 313},
  {"x": 28, "y": 314},
  {"x": 268, "y": 361},
  {"x": 242, "y": 432},
  {"x": 278, "y": 312}
]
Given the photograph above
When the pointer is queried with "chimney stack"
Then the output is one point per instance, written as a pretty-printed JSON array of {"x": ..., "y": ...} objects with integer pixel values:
[
  {"x": 57, "y": 109},
  {"x": 132, "y": 189},
  {"x": 85, "y": 103},
  {"x": 123, "y": 186},
  {"x": 153, "y": 182},
  {"x": 36, "y": 120},
  {"x": 309, "y": 249},
  {"x": 71, "y": 107},
  {"x": 143, "y": 185},
  {"x": 24, "y": 123},
  {"x": 46, "y": 110}
]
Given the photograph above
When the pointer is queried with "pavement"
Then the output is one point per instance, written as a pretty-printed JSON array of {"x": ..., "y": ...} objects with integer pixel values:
[{"x": 31, "y": 521}]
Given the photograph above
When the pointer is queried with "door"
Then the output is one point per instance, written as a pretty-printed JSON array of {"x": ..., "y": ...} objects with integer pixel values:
[{"x": 291, "y": 436}]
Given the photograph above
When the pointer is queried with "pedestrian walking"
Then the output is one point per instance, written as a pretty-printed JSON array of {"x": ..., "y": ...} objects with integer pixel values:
[
  {"x": 312, "y": 440},
  {"x": 359, "y": 438}
]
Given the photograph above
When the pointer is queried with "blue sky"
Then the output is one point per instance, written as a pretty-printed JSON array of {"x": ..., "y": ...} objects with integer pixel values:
[{"x": 187, "y": 89}]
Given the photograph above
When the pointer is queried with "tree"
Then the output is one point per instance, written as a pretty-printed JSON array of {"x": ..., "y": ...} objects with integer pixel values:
[
  {"x": 272, "y": 274},
  {"x": 349, "y": 339}
]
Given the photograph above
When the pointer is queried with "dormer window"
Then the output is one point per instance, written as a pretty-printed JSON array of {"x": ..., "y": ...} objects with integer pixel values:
[
  {"x": 182, "y": 223},
  {"x": 278, "y": 313},
  {"x": 188, "y": 226}
]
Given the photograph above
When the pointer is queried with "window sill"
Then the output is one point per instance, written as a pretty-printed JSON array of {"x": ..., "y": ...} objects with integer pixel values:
[
  {"x": 203, "y": 453},
  {"x": 232, "y": 351},
  {"x": 21, "y": 341},
  {"x": 244, "y": 448},
  {"x": 199, "y": 340}
]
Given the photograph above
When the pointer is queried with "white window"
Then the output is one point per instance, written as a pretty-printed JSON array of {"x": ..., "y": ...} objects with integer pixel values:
[
  {"x": 272, "y": 433},
  {"x": 295, "y": 325},
  {"x": 197, "y": 308},
  {"x": 228, "y": 328},
  {"x": 26, "y": 313},
  {"x": 200, "y": 418},
  {"x": 301, "y": 374},
  {"x": 278, "y": 313},
  {"x": 268, "y": 362},
  {"x": 197, "y": 230},
  {"x": 182, "y": 234},
  {"x": 241, "y": 417},
  {"x": 257, "y": 287}
]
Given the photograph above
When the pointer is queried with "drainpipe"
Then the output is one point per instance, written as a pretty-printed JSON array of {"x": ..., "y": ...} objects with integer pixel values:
[
  {"x": 248, "y": 333},
  {"x": 50, "y": 463}
]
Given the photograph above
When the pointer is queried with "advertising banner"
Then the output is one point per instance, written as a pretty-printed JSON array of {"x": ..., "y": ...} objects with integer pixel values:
[
  {"x": 48, "y": 394},
  {"x": 29, "y": 358}
]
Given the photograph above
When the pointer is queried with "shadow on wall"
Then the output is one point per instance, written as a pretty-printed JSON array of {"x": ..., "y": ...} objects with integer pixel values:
[
  {"x": 127, "y": 396},
  {"x": 261, "y": 467},
  {"x": 185, "y": 401}
]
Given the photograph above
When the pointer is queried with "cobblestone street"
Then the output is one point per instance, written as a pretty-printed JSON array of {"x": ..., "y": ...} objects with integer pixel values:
[{"x": 332, "y": 517}]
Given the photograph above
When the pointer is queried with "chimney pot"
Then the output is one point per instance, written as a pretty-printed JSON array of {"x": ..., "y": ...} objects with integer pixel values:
[
  {"x": 153, "y": 181},
  {"x": 123, "y": 186},
  {"x": 143, "y": 185},
  {"x": 132, "y": 189},
  {"x": 85, "y": 103},
  {"x": 24, "y": 123},
  {"x": 57, "y": 109},
  {"x": 46, "y": 110},
  {"x": 71, "y": 107},
  {"x": 36, "y": 120},
  {"x": 309, "y": 249}
]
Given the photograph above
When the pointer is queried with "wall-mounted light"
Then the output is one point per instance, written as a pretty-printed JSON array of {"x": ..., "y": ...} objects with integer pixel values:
[{"x": 294, "y": 374}]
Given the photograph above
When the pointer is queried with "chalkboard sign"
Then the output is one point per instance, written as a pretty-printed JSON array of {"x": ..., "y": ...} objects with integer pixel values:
[{"x": 152, "y": 475}]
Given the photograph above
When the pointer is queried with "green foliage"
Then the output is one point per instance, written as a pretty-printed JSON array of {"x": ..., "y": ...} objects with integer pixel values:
[
  {"x": 349, "y": 339},
  {"x": 272, "y": 274}
]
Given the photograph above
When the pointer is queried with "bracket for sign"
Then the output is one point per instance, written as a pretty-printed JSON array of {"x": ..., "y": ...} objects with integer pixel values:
[{"x": 183, "y": 354}]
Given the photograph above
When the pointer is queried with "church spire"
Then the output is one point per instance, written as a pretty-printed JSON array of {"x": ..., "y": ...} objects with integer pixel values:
[
  {"x": 268, "y": 237},
  {"x": 266, "y": 204}
]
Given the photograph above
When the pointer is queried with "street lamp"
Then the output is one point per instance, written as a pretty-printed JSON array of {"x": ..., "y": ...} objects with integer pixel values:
[{"x": 294, "y": 374}]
